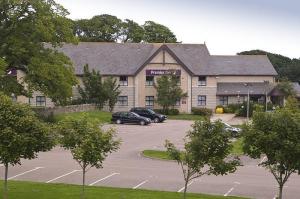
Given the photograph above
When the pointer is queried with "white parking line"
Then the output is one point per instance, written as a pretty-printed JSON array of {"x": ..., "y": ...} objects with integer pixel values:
[
  {"x": 264, "y": 158},
  {"x": 36, "y": 168},
  {"x": 137, "y": 186},
  {"x": 232, "y": 188},
  {"x": 104, "y": 178},
  {"x": 62, "y": 176},
  {"x": 180, "y": 190}
]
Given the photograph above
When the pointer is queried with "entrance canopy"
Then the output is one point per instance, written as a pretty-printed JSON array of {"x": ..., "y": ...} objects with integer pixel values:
[{"x": 242, "y": 88}]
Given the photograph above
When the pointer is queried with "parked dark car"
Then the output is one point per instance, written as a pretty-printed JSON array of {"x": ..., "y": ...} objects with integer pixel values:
[
  {"x": 129, "y": 117},
  {"x": 149, "y": 113}
]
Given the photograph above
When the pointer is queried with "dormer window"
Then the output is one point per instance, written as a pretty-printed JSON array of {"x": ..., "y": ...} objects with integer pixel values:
[
  {"x": 202, "y": 81},
  {"x": 123, "y": 81}
]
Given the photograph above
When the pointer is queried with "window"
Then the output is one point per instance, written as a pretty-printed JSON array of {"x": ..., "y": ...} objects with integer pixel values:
[
  {"x": 149, "y": 80},
  {"x": 179, "y": 80},
  {"x": 149, "y": 101},
  {"x": 201, "y": 100},
  {"x": 123, "y": 81},
  {"x": 201, "y": 81},
  {"x": 223, "y": 100},
  {"x": 177, "y": 103},
  {"x": 123, "y": 100},
  {"x": 40, "y": 101}
]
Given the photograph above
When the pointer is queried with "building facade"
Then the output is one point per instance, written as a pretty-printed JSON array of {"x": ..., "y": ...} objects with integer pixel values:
[{"x": 208, "y": 80}]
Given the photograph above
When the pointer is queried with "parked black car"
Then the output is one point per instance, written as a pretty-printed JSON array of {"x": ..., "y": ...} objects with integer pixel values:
[
  {"x": 129, "y": 117},
  {"x": 149, "y": 113}
]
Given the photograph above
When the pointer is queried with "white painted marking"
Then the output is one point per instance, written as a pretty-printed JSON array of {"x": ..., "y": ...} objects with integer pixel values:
[
  {"x": 104, "y": 178},
  {"x": 140, "y": 184},
  {"x": 180, "y": 190},
  {"x": 237, "y": 183},
  {"x": 62, "y": 176},
  {"x": 36, "y": 168},
  {"x": 264, "y": 158},
  {"x": 228, "y": 192}
]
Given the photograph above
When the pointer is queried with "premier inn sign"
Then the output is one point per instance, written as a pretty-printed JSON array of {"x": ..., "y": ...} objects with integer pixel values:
[{"x": 163, "y": 72}]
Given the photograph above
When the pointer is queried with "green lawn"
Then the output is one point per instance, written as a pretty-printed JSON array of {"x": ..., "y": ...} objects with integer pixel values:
[
  {"x": 185, "y": 117},
  {"x": 94, "y": 116},
  {"x": 33, "y": 190},
  {"x": 163, "y": 155}
]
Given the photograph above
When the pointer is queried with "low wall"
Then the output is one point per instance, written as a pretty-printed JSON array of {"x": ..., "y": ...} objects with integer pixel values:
[{"x": 47, "y": 111}]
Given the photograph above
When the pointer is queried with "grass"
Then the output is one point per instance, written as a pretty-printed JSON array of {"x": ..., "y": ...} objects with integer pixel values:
[
  {"x": 32, "y": 190},
  {"x": 163, "y": 155},
  {"x": 93, "y": 116},
  {"x": 185, "y": 117}
]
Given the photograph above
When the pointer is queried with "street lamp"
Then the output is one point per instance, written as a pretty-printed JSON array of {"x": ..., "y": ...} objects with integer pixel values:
[{"x": 248, "y": 98}]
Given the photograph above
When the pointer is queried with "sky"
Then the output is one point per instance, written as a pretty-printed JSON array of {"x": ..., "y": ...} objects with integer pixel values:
[{"x": 226, "y": 26}]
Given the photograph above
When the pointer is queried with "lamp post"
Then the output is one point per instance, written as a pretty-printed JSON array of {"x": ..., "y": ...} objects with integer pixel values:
[{"x": 248, "y": 98}]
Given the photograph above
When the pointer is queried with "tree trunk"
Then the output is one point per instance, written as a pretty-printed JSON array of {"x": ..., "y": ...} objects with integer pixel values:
[
  {"x": 83, "y": 183},
  {"x": 185, "y": 189},
  {"x": 280, "y": 191},
  {"x": 5, "y": 196}
]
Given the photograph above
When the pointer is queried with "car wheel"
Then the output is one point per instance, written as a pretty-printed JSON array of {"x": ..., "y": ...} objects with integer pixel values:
[
  {"x": 156, "y": 120},
  {"x": 142, "y": 123},
  {"x": 119, "y": 122}
]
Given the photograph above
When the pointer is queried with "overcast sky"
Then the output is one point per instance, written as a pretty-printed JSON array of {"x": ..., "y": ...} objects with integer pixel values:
[{"x": 227, "y": 26}]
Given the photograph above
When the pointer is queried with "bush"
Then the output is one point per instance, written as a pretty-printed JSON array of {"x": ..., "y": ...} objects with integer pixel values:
[
  {"x": 173, "y": 111},
  {"x": 160, "y": 111},
  {"x": 202, "y": 111},
  {"x": 232, "y": 108},
  {"x": 242, "y": 111}
]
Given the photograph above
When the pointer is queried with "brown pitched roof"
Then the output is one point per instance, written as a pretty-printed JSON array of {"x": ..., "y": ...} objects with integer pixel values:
[{"x": 128, "y": 58}]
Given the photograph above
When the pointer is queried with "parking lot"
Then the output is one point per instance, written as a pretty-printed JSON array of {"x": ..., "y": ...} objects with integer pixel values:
[{"x": 128, "y": 168}]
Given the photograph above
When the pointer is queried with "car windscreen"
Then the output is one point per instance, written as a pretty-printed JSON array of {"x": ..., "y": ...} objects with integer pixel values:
[
  {"x": 132, "y": 113},
  {"x": 151, "y": 111}
]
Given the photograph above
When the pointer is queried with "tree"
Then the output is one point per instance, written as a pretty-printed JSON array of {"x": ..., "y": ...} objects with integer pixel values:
[
  {"x": 205, "y": 153},
  {"x": 88, "y": 143},
  {"x": 131, "y": 32},
  {"x": 24, "y": 27},
  {"x": 112, "y": 91},
  {"x": 168, "y": 91},
  {"x": 22, "y": 135},
  {"x": 92, "y": 90},
  {"x": 275, "y": 135},
  {"x": 157, "y": 33},
  {"x": 98, "y": 29},
  {"x": 286, "y": 87}
]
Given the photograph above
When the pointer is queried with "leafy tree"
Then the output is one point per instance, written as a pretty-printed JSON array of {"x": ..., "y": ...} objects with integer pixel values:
[
  {"x": 92, "y": 90},
  {"x": 24, "y": 27},
  {"x": 88, "y": 143},
  {"x": 22, "y": 135},
  {"x": 205, "y": 152},
  {"x": 168, "y": 91},
  {"x": 131, "y": 32},
  {"x": 157, "y": 33},
  {"x": 286, "y": 87},
  {"x": 99, "y": 28},
  {"x": 286, "y": 67},
  {"x": 275, "y": 135},
  {"x": 112, "y": 92}
]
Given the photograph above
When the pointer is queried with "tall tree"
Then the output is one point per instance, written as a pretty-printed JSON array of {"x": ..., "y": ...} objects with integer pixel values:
[
  {"x": 22, "y": 135},
  {"x": 168, "y": 91},
  {"x": 92, "y": 90},
  {"x": 112, "y": 91},
  {"x": 276, "y": 136},
  {"x": 24, "y": 27},
  {"x": 88, "y": 143},
  {"x": 286, "y": 67},
  {"x": 205, "y": 153},
  {"x": 131, "y": 32},
  {"x": 99, "y": 28},
  {"x": 157, "y": 33}
]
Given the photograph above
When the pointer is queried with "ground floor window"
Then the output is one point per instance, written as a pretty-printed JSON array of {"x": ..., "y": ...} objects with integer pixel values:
[
  {"x": 177, "y": 103},
  {"x": 40, "y": 101},
  {"x": 223, "y": 100},
  {"x": 149, "y": 101},
  {"x": 201, "y": 100},
  {"x": 123, "y": 100}
]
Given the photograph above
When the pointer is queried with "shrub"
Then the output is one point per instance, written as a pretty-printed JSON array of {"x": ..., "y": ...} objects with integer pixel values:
[
  {"x": 173, "y": 111},
  {"x": 202, "y": 111},
  {"x": 242, "y": 111},
  {"x": 232, "y": 108},
  {"x": 160, "y": 111}
]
